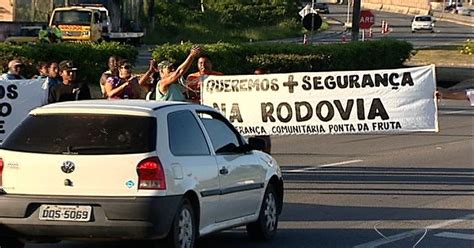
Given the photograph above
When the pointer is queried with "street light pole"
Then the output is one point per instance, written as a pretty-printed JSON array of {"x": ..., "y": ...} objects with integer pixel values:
[{"x": 355, "y": 20}]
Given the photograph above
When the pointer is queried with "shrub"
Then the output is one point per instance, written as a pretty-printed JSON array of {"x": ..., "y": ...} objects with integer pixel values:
[
  {"x": 243, "y": 58},
  {"x": 91, "y": 59}
]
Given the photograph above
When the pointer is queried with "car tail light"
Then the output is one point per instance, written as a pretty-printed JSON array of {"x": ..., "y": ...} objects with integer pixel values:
[
  {"x": 1, "y": 172},
  {"x": 151, "y": 174}
]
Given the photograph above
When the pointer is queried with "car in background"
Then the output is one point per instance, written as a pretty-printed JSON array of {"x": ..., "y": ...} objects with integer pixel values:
[
  {"x": 422, "y": 22},
  {"x": 457, "y": 8},
  {"x": 321, "y": 8},
  {"x": 464, "y": 11},
  {"x": 133, "y": 169},
  {"x": 28, "y": 34}
]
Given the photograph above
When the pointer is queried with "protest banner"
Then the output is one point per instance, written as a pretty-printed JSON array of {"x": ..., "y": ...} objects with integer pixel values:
[
  {"x": 341, "y": 102},
  {"x": 17, "y": 98}
]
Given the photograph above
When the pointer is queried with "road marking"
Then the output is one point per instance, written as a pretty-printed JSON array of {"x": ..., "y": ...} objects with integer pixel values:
[
  {"x": 454, "y": 112},
  {"x": 323, "y": 166},
  {"x": 408, "y": 234},
  {"x": 455, "y": 235}
]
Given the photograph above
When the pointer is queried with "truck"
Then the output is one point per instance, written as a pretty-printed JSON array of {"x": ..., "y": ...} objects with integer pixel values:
[{"x": 89, "y": 22}]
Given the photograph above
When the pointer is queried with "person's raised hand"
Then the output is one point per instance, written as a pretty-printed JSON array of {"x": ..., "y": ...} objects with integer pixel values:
[
  {"x": 153, "y": 67},
  {"x": 195, "y": 50}
]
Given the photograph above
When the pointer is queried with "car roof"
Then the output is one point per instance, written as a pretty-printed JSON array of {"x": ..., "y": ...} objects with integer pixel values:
[
  {"x": 423, "y": 16},
  {"x": 80, "y": 8},
  {"x": 104, "y": 106}
]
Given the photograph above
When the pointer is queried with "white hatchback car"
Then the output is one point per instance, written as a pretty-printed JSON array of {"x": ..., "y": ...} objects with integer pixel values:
[
  {"x": 133, "y": 169},
  {"x": 422, "y": 22}
]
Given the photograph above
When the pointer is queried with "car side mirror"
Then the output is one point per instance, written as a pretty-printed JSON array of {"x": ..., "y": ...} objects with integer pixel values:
[{"x": 256, "y": 143}]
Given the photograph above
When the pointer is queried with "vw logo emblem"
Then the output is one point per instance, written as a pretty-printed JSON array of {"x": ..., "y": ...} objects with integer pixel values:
[{"x": 68, "y": 167}]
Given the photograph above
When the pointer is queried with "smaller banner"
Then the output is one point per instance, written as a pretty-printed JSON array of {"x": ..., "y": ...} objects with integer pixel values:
[
  {"x": 342, "y": 102},
  {"x": 17, "y": 98}
]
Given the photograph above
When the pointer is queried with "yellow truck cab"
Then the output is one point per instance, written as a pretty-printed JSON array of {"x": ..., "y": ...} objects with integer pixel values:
[{"x": 77, "y": 23}]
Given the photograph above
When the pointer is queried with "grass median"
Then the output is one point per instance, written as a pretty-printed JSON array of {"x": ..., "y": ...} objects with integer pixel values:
[{"x": 449, "y": 56}]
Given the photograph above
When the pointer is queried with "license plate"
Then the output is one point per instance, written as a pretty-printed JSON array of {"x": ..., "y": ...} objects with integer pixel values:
[{"x": 65, "y": 213}]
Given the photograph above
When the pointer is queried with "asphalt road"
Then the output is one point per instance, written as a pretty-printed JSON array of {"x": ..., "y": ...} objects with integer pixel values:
[
  {"x": 446, "y": 33},
  {"x": 410, "y": 190}
]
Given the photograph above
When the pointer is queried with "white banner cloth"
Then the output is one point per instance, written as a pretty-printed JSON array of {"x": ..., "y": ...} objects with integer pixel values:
[
  {"x": 340, "y": 102},
  {"x": 17, "y": 98}
]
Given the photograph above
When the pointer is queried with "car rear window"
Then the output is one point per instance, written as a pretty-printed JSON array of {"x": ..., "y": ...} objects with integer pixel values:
[
  {"x": 423, "y": 19},
  {"x": 83, "y": 134}
]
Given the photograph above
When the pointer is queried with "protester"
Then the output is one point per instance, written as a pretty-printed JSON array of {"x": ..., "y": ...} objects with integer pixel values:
[
  {"x": 194, "y": 80},
  {"x": 112, "y": 64},
  {"x": 266, "y": 138},
  {"x": 68, "y": 89},
  {"x": 42, "y": 70},
  {"x": 149, "y": 80},
  {"x": 467, "y": 94},
  {"x": 168, "y": 88},
  {"x": 124, "y": 85},
  {"x": 53, "y": 75},
  {"x": 15, "y": 68}
]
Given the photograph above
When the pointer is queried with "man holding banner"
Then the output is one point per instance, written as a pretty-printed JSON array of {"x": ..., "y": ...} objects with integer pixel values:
[{"x": 467, "y": 94}]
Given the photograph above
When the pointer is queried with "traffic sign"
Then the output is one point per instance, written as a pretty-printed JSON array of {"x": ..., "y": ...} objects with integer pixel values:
[
  {"x": 306, "y": 10},
  {"x": 367, "y": 19},
  {"x": 312, "y": 22}
]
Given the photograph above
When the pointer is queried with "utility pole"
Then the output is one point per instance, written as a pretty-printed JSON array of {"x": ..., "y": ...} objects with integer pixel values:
[
  {"x": 355, "y": 20},
  {"x": 312, "y": 23},
  {"x": 348, "y": 11}
]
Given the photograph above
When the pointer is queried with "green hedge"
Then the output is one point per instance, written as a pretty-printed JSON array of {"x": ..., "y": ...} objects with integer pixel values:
[
  {"x": 91, "y": 59},
  {"x": 280, "y": 58}
]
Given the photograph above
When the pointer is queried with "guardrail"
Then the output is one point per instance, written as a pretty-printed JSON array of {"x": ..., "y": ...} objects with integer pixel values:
[{"x": 465, "y": 20}]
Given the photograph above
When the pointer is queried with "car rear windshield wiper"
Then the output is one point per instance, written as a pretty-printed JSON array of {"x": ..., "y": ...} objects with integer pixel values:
[{"x": 77, "y": 149}]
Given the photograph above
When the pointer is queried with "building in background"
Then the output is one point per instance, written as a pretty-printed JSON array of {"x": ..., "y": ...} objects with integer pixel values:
[
  {"x": 6, "y": 11},
  {"x": 122, "y": 12}
]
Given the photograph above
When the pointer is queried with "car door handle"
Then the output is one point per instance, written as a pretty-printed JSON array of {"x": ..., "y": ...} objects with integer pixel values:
[{"x": 224, "y": 171}]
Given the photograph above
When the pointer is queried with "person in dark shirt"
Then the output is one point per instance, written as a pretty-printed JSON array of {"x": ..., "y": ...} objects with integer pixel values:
[{"x": 69, "y": 89}]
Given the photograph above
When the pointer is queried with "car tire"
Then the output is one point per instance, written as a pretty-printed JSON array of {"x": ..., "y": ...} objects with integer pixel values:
[
  {"x": 183, "y": 230},
  {"x": 265, "y": 227},
  {"x": 11, "y": 243}
]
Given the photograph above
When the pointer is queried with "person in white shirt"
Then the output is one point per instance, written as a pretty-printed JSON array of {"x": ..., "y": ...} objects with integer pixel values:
[{"x": 15, "y": 69}]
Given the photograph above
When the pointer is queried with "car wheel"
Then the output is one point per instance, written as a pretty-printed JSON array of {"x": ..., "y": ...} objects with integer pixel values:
[
  {"x": 183, "y": 229},
  {"x": 266, "y": 226},
  {"x": 413, "y": 31},
  {"x": 11, "y": 243}
]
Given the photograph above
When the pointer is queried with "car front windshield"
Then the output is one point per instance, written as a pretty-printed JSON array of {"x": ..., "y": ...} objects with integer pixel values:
[{"x": 72, "y": 17}]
